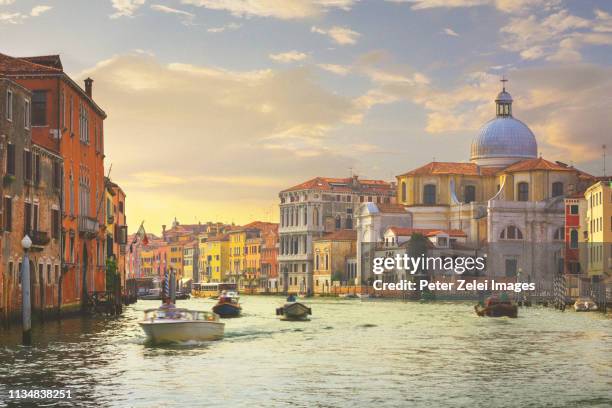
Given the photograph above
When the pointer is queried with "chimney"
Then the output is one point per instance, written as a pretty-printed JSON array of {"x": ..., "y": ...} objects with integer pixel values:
[{"x": 88, "y": 85}]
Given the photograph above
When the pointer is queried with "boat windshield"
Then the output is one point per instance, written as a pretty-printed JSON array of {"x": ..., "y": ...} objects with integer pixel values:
[{"x": 179, "y": 314}]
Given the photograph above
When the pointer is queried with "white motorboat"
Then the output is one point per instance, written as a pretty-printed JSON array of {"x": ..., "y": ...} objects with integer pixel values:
[{"x": 170, "y": 324}]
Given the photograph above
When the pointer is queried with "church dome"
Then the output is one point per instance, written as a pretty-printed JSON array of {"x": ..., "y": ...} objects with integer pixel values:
[{"x": 503, "y": 140}]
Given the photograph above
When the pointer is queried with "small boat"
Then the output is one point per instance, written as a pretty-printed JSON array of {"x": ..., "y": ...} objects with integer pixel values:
[
  {"x": 153, "y": 294},
  {"x": 228, "y": 305},
  {"x": 585, "y": 305},
  {"x": 169, "y": 324},
  {"x": 293, "y": 310},
  {"x": 496, "y": 307},
  {"x": 182, "y": 296}
]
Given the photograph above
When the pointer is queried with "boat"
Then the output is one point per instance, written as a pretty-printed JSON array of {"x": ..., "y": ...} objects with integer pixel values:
[
  {"x": 153, "y": 294},
  {"x": 497, "y": 307},
  {"x": 169, "y": 324},
  {"x": 211, "y": 290},
  {"x": 182, "y": 296},
  {"x": 585, "y": 304},
  {"x": 228, "y": 305},
  {"x": 293, "y": 310}
]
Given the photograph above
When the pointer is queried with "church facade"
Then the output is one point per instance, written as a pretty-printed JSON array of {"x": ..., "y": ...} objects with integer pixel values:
[{"x": 507, "y": 200}]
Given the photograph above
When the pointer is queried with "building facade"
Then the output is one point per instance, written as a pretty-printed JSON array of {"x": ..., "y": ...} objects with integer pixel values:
[{"x": 309, "y": 210}]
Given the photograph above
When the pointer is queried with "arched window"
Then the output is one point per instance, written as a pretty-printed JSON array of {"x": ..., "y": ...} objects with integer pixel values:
[
  {"x": 338, "y": 222},
  {"x": 559, "y": 235},
  {"x": 404, "y": 192},
  {"x": 557, "y": 189},
  {"x": 315, "y": 216},
  {"x": 317, "y": 262},
  {"x": 469, "y": 194},
  {"x": 326, "y": 262},
  {"x": 523, "y": 191},
  {"x": 511, "y": 232},
  {"x": 429, "y": 194}
]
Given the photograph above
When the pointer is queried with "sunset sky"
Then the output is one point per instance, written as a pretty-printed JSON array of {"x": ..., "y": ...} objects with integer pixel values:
[{"x": 216, "y": 105}]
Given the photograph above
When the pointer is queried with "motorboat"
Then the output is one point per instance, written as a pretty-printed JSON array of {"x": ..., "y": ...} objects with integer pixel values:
[
  {"x": 169, "y": 324},
  {"x": 497, "y": 307},
  {"x": 293, "y": 310},
  {"x": 228, "y": 305},
  {"x": 152, "y": 294},
  {"x": 585, "y": 304}
]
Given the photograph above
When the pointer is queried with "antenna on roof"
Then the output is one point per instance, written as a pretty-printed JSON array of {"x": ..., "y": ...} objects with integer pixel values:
[{"x": 503, "y": 81}]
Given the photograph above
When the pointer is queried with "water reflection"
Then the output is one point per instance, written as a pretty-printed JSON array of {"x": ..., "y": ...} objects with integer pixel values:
[{"x": 351, "y": 353}]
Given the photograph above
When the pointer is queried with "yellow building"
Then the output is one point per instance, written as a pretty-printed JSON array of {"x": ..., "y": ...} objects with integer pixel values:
[
  {"x": 252, "y": 261},
  {"x": 146, "y": 262},
  {"x": 175, "y": 259},
  {"x": 214, "y": 258},
  {"x": 331, "y": 253},
  {"x": 237, "y": 241},
  {"x": 599, "y": 228},
  {"x": 190, "y": 260}
]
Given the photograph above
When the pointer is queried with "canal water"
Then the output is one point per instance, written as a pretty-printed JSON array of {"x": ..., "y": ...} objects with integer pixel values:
[{"x": 351, "y": 354}]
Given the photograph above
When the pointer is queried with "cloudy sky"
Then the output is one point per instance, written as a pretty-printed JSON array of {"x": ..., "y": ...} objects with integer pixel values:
[{"x": 216, "y": 105}]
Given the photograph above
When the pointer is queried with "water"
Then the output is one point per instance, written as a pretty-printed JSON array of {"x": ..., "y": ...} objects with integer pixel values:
[{"x": 351, "y": 353}]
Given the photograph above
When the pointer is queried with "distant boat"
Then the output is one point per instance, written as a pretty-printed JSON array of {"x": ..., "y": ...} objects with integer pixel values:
[
  {"x": 293, "y": 310},
  {"x": 496, "y": 307},
  {"x": 228, "y": 305},
  {"x": 153, "y": 294},
  {"x": 169, "y": 324},
  {"x": 585, "y": 305}
]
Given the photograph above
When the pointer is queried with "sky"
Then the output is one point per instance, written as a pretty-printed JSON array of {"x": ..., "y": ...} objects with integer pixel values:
[{"x": 214, "y": 106}]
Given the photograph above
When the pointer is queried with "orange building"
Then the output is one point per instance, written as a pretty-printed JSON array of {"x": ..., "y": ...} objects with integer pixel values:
[{"x": 65, "y": 118}]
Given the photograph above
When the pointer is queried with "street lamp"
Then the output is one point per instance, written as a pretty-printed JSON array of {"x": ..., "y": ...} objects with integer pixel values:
[{"x": 26, "y": 306}]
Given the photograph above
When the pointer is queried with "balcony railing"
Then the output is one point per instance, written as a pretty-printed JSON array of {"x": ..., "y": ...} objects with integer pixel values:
[
  {"x": 39, "y": 238},
  {"x": 88, "y": 226}
]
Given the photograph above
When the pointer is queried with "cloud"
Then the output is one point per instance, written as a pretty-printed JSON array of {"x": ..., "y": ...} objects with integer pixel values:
[
  {"x": 234, "y": 140},
  {"x": 340, "y": 35},
  {"x": 125, "y": 8},
  {"x": 227, "y": 27},
  {"x": 281, "y": 9},
  {"x": 508, "y": 6},
  {"x": 557, "y": 37},
  {"x": 38, "y": 10},
  {"x": 6, "y": 2},
  {"x": 335, "y": 68},
  {"x": 451, "y": 32},
  {"x": 19, "y": 18},
  {"x": 289, "y": 56},
  {"x": 187, "y": 18}
]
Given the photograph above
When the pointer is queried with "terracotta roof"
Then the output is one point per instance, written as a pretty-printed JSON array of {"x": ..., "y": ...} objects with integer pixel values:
[
  {"x": 428, "y": 232},
  {"x": 536, "y": 164},
  {"x": 52, "y": 61},
  {"x": 339, "y": 185},
  {"x": 11, "y": 66},
  {"x": 222, "y": 237},
  {"x": 339, "y": 235},
  {"x": 439, "y": 168}
]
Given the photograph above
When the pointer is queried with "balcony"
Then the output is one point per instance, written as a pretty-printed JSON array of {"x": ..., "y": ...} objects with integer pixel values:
[
  {"x": 88, "y": 226},
  {"x": 39, "y": 238}
]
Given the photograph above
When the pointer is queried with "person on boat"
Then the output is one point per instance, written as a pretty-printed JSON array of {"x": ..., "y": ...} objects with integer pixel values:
[
  {"x": 291, "y": 298},
  {"x": 169, "y": 308}
]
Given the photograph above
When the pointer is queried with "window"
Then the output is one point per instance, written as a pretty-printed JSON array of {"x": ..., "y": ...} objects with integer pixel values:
[
  {"x": 27, "y": 217},
  {"x": 39, "y": 108},
  {"x": 35, "y": 217},
  {"x": 55, "y": 223},
  {"x": 8, "y": 214},
  {"x": 523, "y": 191},
  {"x": 511, "y": 267},
  {"x": 57, "y": 175},
  {"x": 404, "y": 192},
  {"x": 338, "y": 222},
  {"x": 37, "y": 169},
  {"x": 62, "y": 110},
  {"x": 57, "y": 276},
  {"x": 48, "y": 273},
  {"x": 557, "y": 189},
  {"x": 574, "y": 239},
  {"x": 511, "y": 232},
  {"x": 10, "y": 159},
  {"x": 26, "y": 114},
  {"x": 558, "y": 235},
  {"x": 349, "y": 222},
  {"x": 27, "y": 165},
  {"x": 429, "y": 194},
  {"x": 9, "y": 104},
  {"x": 574, "y": 209},
  {"x": 469, "y": 194}
]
